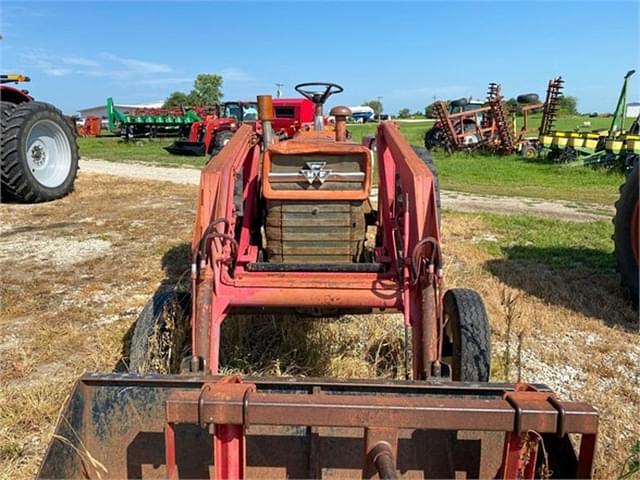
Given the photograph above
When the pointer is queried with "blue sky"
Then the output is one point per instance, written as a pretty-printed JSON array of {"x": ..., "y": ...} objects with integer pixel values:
[{"x": 78, "y": 53}]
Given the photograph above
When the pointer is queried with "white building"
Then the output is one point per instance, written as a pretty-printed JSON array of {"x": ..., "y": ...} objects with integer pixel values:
[
  {"x": 101, "y": 110},
  {"x": 633, "y": 109}
]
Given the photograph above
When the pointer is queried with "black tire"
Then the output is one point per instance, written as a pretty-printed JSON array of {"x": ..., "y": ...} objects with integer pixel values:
[
  {"x": 161, "y": 335},
  {"x": 434, "y": 139},
  {"x": 221, "y": 139},
  {"x": 424, "y": 155},
  {"x": 6, "y": 108},
  {"x": 627, "y": 263},
  {"x": 460, "y": 102},
  {"x": 528, "y": 151},
  {"x": 567, "y": 155},
  {"x": 468, "y": 339},
  {"x": 528, "y": 98},
  {"x": 18, "y": 178}
]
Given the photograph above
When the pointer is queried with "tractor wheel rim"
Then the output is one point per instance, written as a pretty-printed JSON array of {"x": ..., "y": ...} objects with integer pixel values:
[
  {"x": 635, "y": 238},
  {"x": 48, "y": 153}
]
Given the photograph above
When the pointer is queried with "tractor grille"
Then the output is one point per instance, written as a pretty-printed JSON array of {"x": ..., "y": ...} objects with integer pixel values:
[
  {"x": 315, "y": 232},
  {"x": 317, "y": 172}
]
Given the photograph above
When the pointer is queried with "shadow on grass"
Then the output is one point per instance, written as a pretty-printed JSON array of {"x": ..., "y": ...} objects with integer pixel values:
[{"x": 580, "y": 279}]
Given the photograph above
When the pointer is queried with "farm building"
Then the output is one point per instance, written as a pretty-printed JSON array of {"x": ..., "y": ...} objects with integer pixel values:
[
  {"x": 101, "y": 110},
  {"x": 633, "y": 109}
]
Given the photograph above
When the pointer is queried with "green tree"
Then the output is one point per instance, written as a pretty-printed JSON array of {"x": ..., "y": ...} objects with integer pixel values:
[
  {"x": 404, "y": 113},
  {"x": 568, "y": 105},
  {"x": 428, "y": 111},
  {"x": 178, "y": 99},
  {"x": 512, "y": 104},
  {"x": 376, "y": 105},
  {"x": 207, "y": 89}
]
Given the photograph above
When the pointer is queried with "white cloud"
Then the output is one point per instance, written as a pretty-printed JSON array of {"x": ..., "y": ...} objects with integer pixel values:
[
  {"x": 42, "y": 61},
  {"x": 232, "y": 74},
  {"x": 166, "y": 80},
  {"x": 83, "y": 62},
  {"x": 134, "y": 66},
  {"x": 105, "y": 65},
  {"x": 57, "y": 72}
]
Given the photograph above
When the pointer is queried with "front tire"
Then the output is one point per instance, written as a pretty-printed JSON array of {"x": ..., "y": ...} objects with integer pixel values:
[
  {"x": 467, "y": 345},
  {"x": 161, "y": 334},
  {"x": 39, "y": 153},
  {"x": 221, "y": 139}
]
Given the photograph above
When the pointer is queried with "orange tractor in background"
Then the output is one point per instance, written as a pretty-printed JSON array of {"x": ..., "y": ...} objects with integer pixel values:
[{"x": 294, "y": 224}]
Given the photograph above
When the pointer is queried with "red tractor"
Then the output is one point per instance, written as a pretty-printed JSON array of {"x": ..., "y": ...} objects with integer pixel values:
[
  {"x": 209, "y": 136},
  {"x": 293, "y": 224},
  {"x": 39, "y": 150}
]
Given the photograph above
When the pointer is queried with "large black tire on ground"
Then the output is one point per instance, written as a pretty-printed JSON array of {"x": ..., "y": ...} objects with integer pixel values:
[
  {"x": 39, "y": 152},
  {"x": 161, "y": 334},
  {"x": 424, "y": 155},
  {"x": 470, "y": 335},
  {"x": 626, "y": 233}
]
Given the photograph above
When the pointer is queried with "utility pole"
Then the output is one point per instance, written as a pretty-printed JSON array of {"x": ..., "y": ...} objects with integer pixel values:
[
  {"x": 279, "y": 90},
  {"x": 380, "y": 112}
]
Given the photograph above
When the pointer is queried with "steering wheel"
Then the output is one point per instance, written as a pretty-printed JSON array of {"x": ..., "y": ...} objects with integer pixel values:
[{"x": 318, "y": 92}]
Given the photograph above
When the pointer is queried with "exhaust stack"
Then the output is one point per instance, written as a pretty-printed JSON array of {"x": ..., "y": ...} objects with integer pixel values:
[
  {"x": 341, "y": 113},
  {"x": 265, "y": 114}
]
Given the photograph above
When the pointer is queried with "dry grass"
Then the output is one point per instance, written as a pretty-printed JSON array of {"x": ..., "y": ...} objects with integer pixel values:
[{"x": 117, "y": 241}]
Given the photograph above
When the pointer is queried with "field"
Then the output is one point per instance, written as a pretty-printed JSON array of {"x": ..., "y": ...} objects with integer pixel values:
[
  {"x": 465, "y": 172},
  {"x": 71, "y": 296}
]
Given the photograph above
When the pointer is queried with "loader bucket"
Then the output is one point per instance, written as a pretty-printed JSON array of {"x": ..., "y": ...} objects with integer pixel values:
[
  {"x": 126, "y": 426},
  {"x": 190, "y": 149}
]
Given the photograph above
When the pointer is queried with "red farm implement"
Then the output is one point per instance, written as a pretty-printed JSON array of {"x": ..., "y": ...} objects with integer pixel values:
[
  {"x": 491, "y": 126},
  {"x": 292, "y": 224},
  {"x": 209, "y": 136}
]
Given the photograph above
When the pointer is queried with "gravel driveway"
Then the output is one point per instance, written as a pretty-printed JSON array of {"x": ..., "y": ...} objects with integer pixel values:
[{"x": 464, "y": 202}]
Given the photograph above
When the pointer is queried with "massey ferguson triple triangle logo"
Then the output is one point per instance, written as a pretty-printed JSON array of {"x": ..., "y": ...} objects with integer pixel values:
[{"x": 315, "y": 171}]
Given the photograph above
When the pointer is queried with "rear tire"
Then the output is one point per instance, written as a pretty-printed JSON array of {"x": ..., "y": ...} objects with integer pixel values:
[
  {"x": 626, "y": 233},
  {"x": 467, "y": 335},
  {"x": 424, "y": 155},
  {"x": 161, "y": 334},
  {"x": 39, "y": 153}
]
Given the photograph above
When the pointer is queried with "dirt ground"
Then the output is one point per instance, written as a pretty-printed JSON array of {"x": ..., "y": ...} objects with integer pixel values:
[{"x": 76, "y": 272}]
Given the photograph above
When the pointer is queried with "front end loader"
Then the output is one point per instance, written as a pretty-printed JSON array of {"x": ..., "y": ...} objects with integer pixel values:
[{"x": 294, "y": 224}]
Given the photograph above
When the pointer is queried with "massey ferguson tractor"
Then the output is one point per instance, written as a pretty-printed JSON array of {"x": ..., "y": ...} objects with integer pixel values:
[
  {"x": 38, "y": 144},
  {"x": 293, "y": 224}
]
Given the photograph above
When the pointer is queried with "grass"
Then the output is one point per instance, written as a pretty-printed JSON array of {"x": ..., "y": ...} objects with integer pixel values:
[
  {"x": 151, "y": 151},
  {"x": 556, "y": 243},
  {"x": 514, "y": 176}
]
